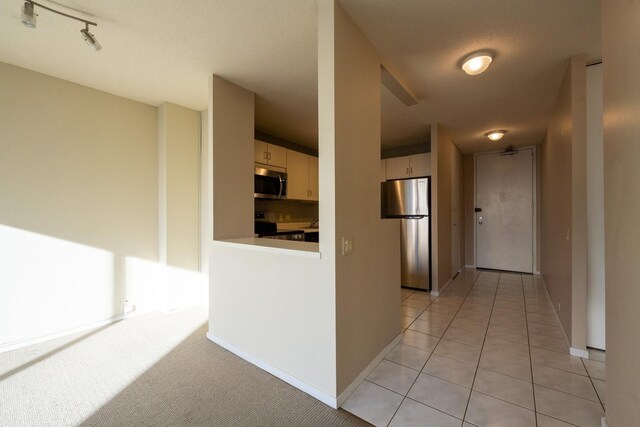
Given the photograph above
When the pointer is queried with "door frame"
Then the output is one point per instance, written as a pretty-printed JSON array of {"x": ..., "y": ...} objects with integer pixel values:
[{"x": 535, "y": 203}]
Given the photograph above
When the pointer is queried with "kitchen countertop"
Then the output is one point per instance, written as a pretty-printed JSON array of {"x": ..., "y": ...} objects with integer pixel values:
[
  {"x": 303, "y": 226},
  {"x": 284, "y": 247}
]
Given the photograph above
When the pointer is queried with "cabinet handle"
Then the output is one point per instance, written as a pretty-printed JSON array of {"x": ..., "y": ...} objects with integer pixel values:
[
  {"x": 269, "y": 156},
  {"x": 411, "y": 169},
  {"x": 407, "y": 171},
  {"x": 264, "y": 155}
]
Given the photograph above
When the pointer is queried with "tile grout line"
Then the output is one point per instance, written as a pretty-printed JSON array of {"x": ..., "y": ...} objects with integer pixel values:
[
  {"x": 404, "y": 397},
  {"x": 431, "y": 354},
  {"x": 593, "y": 385},
  {"x": 551, "y": 388},
  {"x": 466, "y": 408},
  {"x": 533, "y": 385}
]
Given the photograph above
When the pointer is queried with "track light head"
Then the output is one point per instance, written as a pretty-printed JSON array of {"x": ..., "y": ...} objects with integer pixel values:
[
  {"x": 90, "y": 38},
  {"x": 28, "y": 15}
]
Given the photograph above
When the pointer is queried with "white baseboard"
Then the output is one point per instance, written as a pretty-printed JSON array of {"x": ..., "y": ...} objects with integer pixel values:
[
  {"x": 19, "y": 344},
  {"x": 323, "y": 397},
  {"x": 365, "y": 373},
  {"x": 444, "y": 288},
  {"x": 579, "y": 352}
]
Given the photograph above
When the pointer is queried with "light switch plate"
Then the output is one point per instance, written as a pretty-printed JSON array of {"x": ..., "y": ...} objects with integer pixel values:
[{"x": 347, "y": 246}]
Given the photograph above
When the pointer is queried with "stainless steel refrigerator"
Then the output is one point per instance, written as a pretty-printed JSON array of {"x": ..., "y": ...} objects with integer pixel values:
[{"x": 409, "y": 201}]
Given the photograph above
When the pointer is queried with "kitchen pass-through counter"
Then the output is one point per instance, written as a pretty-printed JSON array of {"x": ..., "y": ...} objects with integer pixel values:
[{"x": 283, "y": 247}]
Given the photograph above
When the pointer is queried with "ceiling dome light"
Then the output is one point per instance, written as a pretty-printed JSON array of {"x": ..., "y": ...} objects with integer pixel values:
[
  {"x": 477, "y": 63},
  {"x": 495, "y": 135},
  {"x": 28, "y": 15}
]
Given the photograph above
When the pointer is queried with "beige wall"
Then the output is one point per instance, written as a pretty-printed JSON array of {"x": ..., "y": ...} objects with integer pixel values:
[
  {"x": 563, "y": 203},
  {"x": 443, "y": 154},
  {"x": 469, "y": 206},
  {"x": 179, "y": 159},
  {"x": 231, "y": 118},
  {"x": 457, "y": 212},
  {"x": 275, "y": 308},
  {"x": 78, "y": 202},
  {"x": 367, "y": 281},
  {"x": 621, "y": 68}
]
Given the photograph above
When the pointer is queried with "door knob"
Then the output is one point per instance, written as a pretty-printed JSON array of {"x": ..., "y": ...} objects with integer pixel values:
[{"x": 479, "y": 220}]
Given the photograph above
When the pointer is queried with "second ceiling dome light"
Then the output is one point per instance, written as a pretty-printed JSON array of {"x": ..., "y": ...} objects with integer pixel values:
[
  {"x": 477, "y": 63},
  {"x": 495, "y": 135}
]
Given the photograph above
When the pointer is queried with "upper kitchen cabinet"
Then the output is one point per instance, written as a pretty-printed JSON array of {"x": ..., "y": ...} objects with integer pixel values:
[
  {"x": 413, "y": 166},
  {"x": 420, "y": 164},
  {"x": 302, "y": 176},
  {"x": 314, "y": 181},
  {"x": 270, "y": 154}
]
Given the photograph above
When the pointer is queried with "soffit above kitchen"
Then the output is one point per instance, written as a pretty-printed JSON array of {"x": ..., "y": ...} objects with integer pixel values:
[{"x": 161, "y": 50}]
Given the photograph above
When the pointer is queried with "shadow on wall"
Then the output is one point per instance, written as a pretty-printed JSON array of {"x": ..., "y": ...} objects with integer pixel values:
[{"x": 51, "y": 285}]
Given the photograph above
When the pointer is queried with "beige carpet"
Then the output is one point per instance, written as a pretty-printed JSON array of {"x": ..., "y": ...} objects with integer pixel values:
[{"x": 151, "y": 370}]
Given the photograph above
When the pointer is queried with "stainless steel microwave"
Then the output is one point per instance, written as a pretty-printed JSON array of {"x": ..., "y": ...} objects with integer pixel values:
[{"x": 269, "y": 184}]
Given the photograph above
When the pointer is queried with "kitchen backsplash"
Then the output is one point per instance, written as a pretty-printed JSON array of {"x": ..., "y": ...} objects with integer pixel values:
[{"x": 287, "y": 210}]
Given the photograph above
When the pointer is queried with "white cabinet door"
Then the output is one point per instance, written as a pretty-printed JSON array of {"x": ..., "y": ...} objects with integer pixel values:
[
  {"x": 277, "y": 156},
  {"x": 314, "y": 187},
  {"x": 269, "y": 154},
  {"x": 420, "y": 164},
  {"x": 413, "y": 166},
  {"x": 383, "y": 170},
  {"x": 297, "y": 176},
  {"x": 398, "y": 168},
  {"x": 261, "y": 151}
]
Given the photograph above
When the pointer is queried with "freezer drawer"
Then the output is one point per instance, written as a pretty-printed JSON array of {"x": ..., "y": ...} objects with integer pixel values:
[{"x": 415, "y": 257}]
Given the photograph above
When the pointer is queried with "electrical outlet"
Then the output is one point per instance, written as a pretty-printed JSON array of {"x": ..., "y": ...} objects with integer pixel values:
[
  {"x": 347, "y": 246},
  {"x": 129, "y": 308}
]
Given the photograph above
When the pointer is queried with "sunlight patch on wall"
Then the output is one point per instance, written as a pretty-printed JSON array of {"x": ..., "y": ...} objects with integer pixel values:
[
  {"x": 151, "y": 285},
  {"x": 48, "y": 285}
]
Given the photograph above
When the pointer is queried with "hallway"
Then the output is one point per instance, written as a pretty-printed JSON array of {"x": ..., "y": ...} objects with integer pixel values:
[{"x": 488, "y": 351}]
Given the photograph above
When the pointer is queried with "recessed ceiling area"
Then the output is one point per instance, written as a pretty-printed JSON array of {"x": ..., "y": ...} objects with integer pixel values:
[{"x": 162, "y": 50}]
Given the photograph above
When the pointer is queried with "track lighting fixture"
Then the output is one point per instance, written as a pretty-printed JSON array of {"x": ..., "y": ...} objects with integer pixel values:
[
  {"x": 90, "y": 38},
  {"x": 29, "y": 20},
  {"x": 28, "y": 15}
]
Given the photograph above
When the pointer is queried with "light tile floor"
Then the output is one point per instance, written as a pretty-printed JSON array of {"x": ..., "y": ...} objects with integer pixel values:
[{"x": 487, "y": 352}]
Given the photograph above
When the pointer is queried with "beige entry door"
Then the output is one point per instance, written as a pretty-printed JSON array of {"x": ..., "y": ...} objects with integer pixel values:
[{"x": 504, "y": 211}]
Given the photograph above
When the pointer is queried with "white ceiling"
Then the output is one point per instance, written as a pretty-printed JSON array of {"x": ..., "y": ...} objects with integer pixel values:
[{"x": 164, "y": 50}]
